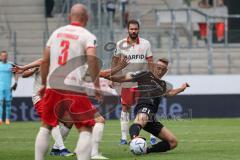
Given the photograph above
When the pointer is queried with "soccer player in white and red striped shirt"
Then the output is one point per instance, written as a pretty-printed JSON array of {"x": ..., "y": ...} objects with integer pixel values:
[
  {"x": 138, "y": 51},
  {"x": 67, "y": 45}
]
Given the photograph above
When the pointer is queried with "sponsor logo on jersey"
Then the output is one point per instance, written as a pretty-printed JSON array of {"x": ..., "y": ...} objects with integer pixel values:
[{"x": 136, "y": 56}]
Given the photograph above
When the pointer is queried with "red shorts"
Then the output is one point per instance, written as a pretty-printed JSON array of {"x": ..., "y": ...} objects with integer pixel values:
[
  {"x": 39, "y": 107},
  {"x": 128, "y": 96},
  {"x": 67, "y": 106}
]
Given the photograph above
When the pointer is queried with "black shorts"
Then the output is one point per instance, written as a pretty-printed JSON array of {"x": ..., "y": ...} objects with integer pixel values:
[{"x": 153, "y": 126}]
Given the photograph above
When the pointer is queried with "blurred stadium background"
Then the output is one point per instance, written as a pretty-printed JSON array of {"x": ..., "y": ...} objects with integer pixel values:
[{"x": 212, "y": 68}]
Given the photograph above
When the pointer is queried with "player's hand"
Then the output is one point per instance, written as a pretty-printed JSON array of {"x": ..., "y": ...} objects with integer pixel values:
[
  {"x": 14, "y": 87},
  {"x": 42, "y": 91},
  {"x": 18, "y": 69},
  {"x": 124, "y": 61},
  {"x": 184, "y": 86}
]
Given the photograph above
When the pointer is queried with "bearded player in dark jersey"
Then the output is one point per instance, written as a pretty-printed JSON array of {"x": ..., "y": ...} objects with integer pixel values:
[{"x": 151, "y": 87}]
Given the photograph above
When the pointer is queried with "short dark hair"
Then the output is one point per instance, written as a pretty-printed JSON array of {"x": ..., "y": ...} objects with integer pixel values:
[
  {"x": 133, "y": 21},
  {"x": 164, "y": 60}
]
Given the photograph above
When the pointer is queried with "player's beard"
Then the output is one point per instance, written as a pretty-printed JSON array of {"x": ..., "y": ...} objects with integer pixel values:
[{"x": 133, "y": 36}]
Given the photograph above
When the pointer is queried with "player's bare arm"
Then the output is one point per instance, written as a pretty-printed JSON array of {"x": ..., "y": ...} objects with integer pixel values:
[
  {"x": 94, "y": 70},
  {"x": 21, "y": 69},
  {"x": 121, "y": 78},
  {"x": 150, "y": 63},
  {"x": 110, "y": 72},
  {"x": 115, "y": 60},
  {"x": 45, "y": 65},
  {"x": 174, "y": 92},
  {"x": 29, "y": 72}
]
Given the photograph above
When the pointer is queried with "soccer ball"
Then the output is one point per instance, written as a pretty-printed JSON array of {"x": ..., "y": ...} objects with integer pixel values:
[{"x": 138, "y": 146}]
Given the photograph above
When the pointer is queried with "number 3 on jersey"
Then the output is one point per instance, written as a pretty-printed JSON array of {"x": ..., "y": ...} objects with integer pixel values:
[{"x": 62, "y": 59}]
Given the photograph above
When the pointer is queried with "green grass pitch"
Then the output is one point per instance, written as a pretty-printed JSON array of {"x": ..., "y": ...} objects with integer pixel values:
[{"x": 199, "y": 139}]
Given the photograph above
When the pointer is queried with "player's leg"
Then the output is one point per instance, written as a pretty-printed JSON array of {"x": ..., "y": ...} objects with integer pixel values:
[
  {"x": 139, "y": 123},
  {"x": 60, "y": 132},
  {"x": 157, "y": 101},
  {"x": 83, "y": 118},
  {"x": 167, "y": 135},
  {"x": 124, "y": 121},
  {"x": 97, "y": 136},
  {"x": 1, "y": 105},
  {"x": 8, "y": 103},
  {"x": 127, "y": 99},
  {"x": 8, "y": 111},
  {"x": 1, "y": 110},
  {"x": 49, "y": 120},
  {"x": 65, "y": 128},
  {"x": 59, "y": 148},
  {"x": 42, "y": 141},
  {"x": 169, "y": 141},
  {"x": 84, "y": 144}
]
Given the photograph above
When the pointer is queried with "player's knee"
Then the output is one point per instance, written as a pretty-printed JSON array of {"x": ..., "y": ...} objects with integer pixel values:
[
  {"x": 85, "y": 129},
  {"x": 44, "y": 125},
  {"x": 100, "y": 119},
  {"x": 125, "y": 108},
  {"x": 173, "y": 143},
  {"x": 8, "y": 103},
  {"x": 141, "y": 119}
]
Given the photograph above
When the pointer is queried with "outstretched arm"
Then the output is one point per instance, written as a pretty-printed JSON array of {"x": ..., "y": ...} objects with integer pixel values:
[
  {"x": 29, "y": 72},
  {"x": 174, "y": 92},
  {"x": 109, "y": 72},
  {"x": 121, "y": 78},
  {"x": 21, "y": 69},
  {"x": 45, "y": 65}
]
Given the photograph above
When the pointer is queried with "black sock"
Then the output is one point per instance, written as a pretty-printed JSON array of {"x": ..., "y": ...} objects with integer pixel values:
[
  {"x": 159, "y": 147},
  {"x": 134, "y": 130}
]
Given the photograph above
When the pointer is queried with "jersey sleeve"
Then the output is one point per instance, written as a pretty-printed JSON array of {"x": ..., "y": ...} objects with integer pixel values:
[
  {"x": 137, "y": 76},
  {"x": 169, "y": 86},
  {"x": 91, "y": 41},
  {"x": 149, "y": 50},
  {"x": 49, "y": 42},
  {"x": 51, "y": 39}
]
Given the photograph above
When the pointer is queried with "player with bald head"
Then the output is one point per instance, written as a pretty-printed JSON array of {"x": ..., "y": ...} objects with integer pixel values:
[
  {"x": 65, "y": 47},
  {"x": 79, "y": 13}
]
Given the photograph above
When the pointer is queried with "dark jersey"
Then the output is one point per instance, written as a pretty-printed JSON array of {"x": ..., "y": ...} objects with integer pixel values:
[{"x": 149, "y": 87}]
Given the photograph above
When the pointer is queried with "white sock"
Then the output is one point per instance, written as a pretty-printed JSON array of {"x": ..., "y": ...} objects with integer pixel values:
[
  {"x": 96, "y": 137},
  {"x": 64, "y": 131},
  {"x": 41, "y": 143},
  {"x": 58, "y": 138},
  {"x": 84, "y": 147},
  {"x": 124, "y": 124}
]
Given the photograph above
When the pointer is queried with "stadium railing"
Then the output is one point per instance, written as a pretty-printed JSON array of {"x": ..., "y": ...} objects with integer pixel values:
[{"x": 189, "y": 16}]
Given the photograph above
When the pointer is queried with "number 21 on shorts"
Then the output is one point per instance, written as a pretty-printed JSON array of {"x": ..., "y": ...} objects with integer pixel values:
[
  {"x": 145, "y": 110},
  {"x": 62, "y": 59}
]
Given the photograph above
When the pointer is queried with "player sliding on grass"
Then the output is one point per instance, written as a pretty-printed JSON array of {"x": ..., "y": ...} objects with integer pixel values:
[{"x": 151, "y": 86}]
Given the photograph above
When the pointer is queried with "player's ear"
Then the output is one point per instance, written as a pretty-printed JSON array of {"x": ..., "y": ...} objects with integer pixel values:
[{"x": 86, "y": 19}]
